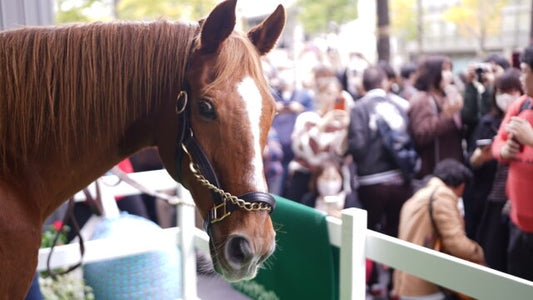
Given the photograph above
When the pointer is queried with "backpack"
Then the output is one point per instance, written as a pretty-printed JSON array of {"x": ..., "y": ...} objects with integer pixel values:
[{"x": 400, "y": 146}]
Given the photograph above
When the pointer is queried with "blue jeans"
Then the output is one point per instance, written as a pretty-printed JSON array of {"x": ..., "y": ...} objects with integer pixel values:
[{"x": 34, "y": 293}]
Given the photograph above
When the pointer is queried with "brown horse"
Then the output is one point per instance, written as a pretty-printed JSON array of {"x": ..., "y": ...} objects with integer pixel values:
[{"x": 78, "y": 99}]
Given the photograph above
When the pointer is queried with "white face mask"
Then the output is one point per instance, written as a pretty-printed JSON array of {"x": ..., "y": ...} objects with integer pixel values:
[
  {"x": 329, "y": 187},
  {"x": 329, "y": 183},
  {"x": 505, "y": 100}
]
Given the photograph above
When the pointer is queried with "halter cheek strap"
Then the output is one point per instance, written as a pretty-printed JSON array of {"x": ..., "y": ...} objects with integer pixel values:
[{"x": 224, "y": 202}]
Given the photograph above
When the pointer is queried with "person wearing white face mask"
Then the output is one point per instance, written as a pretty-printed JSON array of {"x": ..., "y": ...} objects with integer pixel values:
[
  {"x": 317, "y": 141},
  {"x": 331, "y": 193},
  {"x": 484, "y": 196},
  {"x": 504, "y": 100},
  {"x": 480, "y": 90},
  {"x": 508, "y": 90}
]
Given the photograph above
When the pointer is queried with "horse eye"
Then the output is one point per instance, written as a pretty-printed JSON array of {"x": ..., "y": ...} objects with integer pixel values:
[{"x": 207, "y": 109}]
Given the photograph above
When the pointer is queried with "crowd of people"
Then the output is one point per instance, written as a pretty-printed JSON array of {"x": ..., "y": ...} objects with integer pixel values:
[{"x": 471, "y": 131}]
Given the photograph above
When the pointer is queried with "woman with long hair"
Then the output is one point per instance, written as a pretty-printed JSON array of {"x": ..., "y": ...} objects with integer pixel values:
[
  {"x": 485, "y": 197},
  {"x": 435, "y": 121}
]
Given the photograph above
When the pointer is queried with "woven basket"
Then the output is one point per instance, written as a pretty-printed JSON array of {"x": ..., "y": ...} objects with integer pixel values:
[{"x": 151, "y": 275}]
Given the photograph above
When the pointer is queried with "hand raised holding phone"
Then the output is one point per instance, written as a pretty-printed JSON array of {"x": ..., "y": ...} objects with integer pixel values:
[{"x": 482, "y": 153}]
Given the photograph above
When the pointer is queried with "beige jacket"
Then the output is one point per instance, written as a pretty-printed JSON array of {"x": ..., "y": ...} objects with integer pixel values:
[{"x": 415, "y": 226}]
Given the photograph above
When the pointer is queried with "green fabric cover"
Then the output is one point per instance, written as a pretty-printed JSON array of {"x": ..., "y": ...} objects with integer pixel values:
[{"x": 304, "y": 265}]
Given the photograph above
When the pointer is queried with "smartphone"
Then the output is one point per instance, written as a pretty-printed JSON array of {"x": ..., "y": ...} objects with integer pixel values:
[
  {"x": 519, "y": 144},
  {"x": 339, "y": 103},
  {"x": 483, "y": 142}
]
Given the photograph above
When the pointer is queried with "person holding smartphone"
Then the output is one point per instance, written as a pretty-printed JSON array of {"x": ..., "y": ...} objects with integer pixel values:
[
  {"x": 317, "y": 142},
  {"x": 484, "y": 196},
  {"x": 514, "y": 145},
  {"x": 508, "y": 89},
  {"x": 434, "y": 114}
]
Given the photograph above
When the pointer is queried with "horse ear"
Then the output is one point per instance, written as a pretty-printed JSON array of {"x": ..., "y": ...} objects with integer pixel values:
[
  {"x": 265, "y": 35},
  {"x": 201, "y": 22},
  {"x": 218, "y": 26}
]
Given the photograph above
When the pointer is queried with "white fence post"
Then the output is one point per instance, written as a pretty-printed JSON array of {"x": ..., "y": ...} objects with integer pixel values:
[
  {"x": 352, "y": 255},
  {"x": 109, "y": 203},
  {"x": 186, "y": 221}
]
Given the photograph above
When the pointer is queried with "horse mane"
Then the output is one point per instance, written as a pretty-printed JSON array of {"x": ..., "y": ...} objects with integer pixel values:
[{"x": 65, "y": 88}]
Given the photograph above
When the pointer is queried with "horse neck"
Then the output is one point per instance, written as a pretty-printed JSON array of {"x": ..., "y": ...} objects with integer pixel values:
[{"x": 119, "y": 102}]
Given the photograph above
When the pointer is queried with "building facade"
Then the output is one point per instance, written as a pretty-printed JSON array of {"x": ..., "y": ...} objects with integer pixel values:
[{"x": 441, "y": 37}]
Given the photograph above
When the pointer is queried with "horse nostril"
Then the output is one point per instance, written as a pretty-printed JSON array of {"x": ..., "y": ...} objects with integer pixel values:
[{"x": 238, "y": 250}]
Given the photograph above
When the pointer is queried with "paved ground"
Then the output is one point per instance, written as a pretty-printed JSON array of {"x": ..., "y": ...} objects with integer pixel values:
[{"x": 214, "y": 287}]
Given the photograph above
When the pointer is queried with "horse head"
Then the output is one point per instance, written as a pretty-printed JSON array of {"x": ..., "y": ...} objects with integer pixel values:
[{"x": 225, "y": 109}]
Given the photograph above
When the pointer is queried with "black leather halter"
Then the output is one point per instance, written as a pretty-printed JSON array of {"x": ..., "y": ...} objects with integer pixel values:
[{"x": 224, "y": 203}]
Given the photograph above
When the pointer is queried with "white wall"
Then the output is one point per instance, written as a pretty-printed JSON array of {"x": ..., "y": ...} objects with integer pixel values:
[{"x": 15, "y": 13}]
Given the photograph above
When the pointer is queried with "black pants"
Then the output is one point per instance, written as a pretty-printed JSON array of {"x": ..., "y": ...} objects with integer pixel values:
[
  {"x": 520, "y": 253},
  {"x": 493, "y": 235},
  {"x": 383, "y": 203}
]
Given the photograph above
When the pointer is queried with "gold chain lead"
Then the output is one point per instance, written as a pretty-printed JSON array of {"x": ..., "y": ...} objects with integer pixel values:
[{"x": 248, "y": 206}]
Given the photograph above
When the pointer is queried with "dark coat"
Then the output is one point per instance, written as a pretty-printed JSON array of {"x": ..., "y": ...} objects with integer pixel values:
[
  {"x": 475, "y": 106},
  {"x": 435, "y": 134},
  {"x": 364, "y": 142},
  {"x": 478, "y": 189}
]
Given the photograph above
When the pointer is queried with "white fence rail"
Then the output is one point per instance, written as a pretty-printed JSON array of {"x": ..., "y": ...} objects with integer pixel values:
[
  {"x": 350, "y": 234},
  {"x": 468, "y": 278}
]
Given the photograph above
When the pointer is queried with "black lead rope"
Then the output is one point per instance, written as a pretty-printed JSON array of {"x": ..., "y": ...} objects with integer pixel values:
[
  {"x": 69, "y": 214},
  {"x": 96, "y": 203}
]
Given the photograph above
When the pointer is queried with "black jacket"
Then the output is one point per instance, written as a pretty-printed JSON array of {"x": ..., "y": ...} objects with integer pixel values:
[{"x": 364, "y": 142}]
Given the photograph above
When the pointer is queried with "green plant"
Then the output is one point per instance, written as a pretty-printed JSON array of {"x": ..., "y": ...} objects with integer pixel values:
[
  {"x": 69, "y": 286},
  {"x": 50, "y": 233}
]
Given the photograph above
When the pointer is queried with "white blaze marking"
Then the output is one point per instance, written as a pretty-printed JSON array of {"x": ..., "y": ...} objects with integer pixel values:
[{"x": 254, "y": 106}]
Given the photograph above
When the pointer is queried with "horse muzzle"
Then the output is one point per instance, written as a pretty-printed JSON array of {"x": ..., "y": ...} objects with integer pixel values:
[{"x": 241, "y": 258}]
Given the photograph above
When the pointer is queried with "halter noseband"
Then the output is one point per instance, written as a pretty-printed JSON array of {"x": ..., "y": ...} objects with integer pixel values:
[{"x": 224, "y": 202}]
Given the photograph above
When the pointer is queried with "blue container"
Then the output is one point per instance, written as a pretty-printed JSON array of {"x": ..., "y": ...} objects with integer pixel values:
[{"x": 151, "y": 275}]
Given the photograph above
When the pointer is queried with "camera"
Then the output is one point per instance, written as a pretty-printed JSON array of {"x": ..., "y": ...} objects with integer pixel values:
[{"x": 480, "y": 69}]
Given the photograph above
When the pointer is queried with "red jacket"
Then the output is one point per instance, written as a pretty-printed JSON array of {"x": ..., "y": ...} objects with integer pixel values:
[
  {"x": 520, "y": 179},
  {"x": 125, "y": 166}
]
